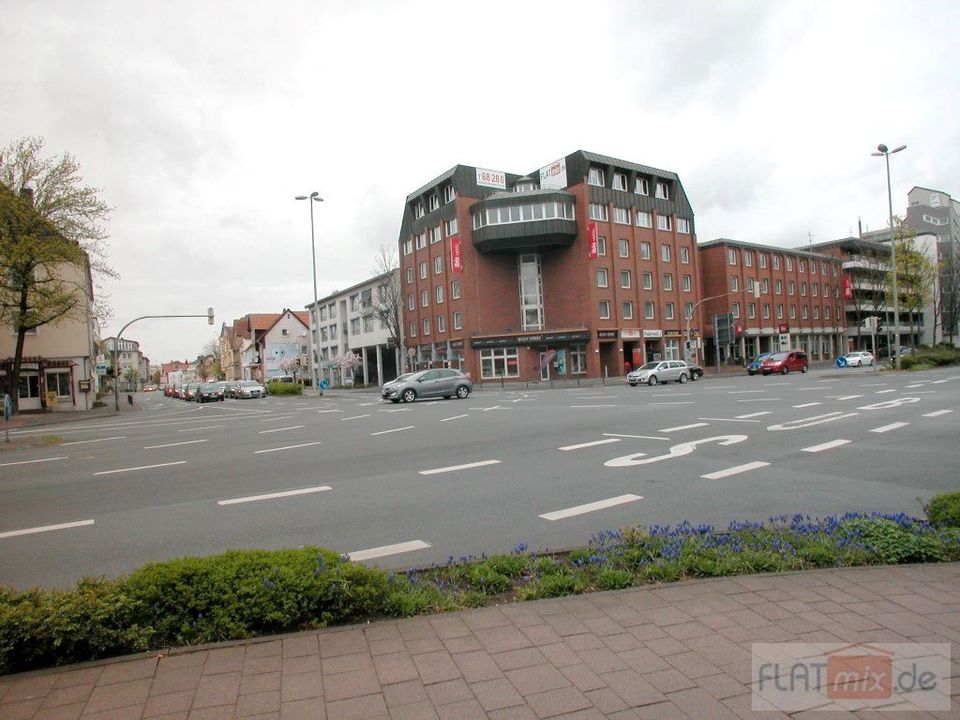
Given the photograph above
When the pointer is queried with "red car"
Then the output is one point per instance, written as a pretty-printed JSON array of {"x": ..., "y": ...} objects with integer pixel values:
[{"x": 784, "y": 362}]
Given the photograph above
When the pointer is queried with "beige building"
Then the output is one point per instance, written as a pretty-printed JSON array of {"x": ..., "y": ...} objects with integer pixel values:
[{"x": 58, "y": 371}]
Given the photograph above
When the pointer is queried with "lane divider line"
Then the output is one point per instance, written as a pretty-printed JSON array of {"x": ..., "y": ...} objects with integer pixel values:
[
  {"x": 937, "y": 413},
  {"x": 384, "y": 550},
  {"x": 888, "y": 428},
  {"x": 638, "y": 437},
  {"x": 183, "y": 442},
  {"x": 271, "y": 496},
  {"x": 285, "y": 447},
  {"x": 589, "y": 444},
  {"x": 28, "y": 462},
  {"x": 683, "y": 427},
  {"x": 273, "y": 430},
  {"x": 453, "y": 468},
  {"x": 810, "y": 404},
  {"x": 591, "y": 507},
  {"x": 753, "y": 415},
  {"x": 45, "y": 528},
  {"x": 399, "y": 429},
  {"x": 735, "y": 470},
  {"x": 355, "y": 417},
  {"x": 457, "y": 417},
  {"x": 85, "y": 442},
  {"x": 826, "y": 446},
  {"x": 141, "y": 467}
]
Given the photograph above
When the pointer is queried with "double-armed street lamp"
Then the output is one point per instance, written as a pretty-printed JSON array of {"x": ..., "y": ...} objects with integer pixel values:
[
  {"x": 315, "y": 314},
  {"x": 885, "y": 153}
]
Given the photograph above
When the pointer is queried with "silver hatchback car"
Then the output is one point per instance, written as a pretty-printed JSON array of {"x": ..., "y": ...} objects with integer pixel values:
[
  {"x": 661, "y": 371},
  {"x": 441, "y": 382}
]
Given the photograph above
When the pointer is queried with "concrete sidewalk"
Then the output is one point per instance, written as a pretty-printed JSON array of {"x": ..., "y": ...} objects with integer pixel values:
[{"x": 670, "y": 651}]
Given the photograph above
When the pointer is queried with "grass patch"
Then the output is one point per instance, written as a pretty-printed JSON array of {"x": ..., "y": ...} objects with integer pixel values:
[{"x": 244, "y": 593}]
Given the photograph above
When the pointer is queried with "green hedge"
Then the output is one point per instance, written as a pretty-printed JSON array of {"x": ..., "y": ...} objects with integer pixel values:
[
  {"x": 243, "y": 593},
  {"x": 944, "y": 510},
  {"x": 938, "y": 356},
  {"x": 279, "y": 388}
]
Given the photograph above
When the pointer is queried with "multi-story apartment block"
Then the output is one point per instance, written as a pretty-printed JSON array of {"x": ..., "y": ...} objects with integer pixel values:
[
  {"x": 578, "y": 269},
  {"x": 58, "y": 369},
  {"x": 779, "y": 299},
  {"x": 358, "y": 320},
  {"x": 934, "y": 212},
  {"x": 128, "y": 359}
]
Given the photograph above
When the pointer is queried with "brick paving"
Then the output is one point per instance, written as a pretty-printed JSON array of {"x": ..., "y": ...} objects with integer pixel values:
[{"x": 673, "y": 651}]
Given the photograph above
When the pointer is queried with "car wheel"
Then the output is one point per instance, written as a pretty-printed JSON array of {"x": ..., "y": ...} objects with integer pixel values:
[
  {"x": 652, "y": 380},
  {"x": 871, "y": 363},
  {"x": 409, "y": 395},
  {"x": 859, "y": 363},
  {"x": 462, "y": 391},
  {"x": 694, "y": 377},
  {"x": 682, "y": 379},
  {"x": 803, "y": 369},
  {"x": 784, "y": 370}
]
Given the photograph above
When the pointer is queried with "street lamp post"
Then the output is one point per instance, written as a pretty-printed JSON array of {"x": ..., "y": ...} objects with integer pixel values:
[
  {"x": 885, "y": 153},
  {"x": 315, "y": 313}
]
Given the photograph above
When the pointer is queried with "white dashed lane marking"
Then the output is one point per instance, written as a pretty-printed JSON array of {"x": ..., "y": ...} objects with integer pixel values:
[
  {"x": 805, "y": 405},
  {"x": 735, "y": 470},
  {"x": 590, "y": 507},
  {"x": 752, "y": 415},
  {"x": 888, "y": 428},
  {"x": 683, "y": 427},
  {"x": 183, "y": 442},
  {"x": 28, "y": 462},
  {"x": 453, "y": 468},
  {"x": 141, "y": 467},
  {"x": 826, "y": 446},
  {"x": 45, "y": 528},
  {"x": 272, "y": 496},
  {"x": 384, "y": 550},
  {"x": 455, "y": 417},
  {"x": 937, "y": 413},
  {"x": 589, "y": 444},
  {"x": 84, "y": 442},
  {"x": 285, "y": 447},
  {"x": 292, "y": 427},
  {"x": 399, "y": 429}
]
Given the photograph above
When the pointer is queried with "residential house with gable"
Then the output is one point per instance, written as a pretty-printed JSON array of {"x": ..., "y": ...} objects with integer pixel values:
[{"x": 286, "y": 339}]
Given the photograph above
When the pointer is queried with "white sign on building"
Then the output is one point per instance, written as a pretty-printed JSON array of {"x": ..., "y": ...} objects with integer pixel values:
[
  {"x": 491, "y": 178},
  {"x": 554, "y": 175}
]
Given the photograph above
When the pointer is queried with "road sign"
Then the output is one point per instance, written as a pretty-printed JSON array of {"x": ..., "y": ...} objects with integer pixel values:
[
  {"x": 324, "y": 384},
  {"x": 411, "y": 352}
]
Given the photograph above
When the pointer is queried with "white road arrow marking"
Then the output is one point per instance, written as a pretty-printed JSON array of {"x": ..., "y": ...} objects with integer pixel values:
[{"x": 675, "y": 451}]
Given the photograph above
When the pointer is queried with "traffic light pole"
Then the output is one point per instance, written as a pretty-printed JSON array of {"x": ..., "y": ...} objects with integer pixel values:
[{"x": 116, "y": 348}]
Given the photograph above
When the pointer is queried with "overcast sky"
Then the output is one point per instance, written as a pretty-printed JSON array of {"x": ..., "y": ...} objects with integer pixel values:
[{"x": 201, "y": 121}]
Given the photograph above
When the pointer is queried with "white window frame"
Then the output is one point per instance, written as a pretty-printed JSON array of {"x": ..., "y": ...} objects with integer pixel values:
[
  {"x": 595, "y": 177},
  {"x": 620, "y": 181},
  {"x": 455, "y": 290},
  {"x": 663, "y": 191},
  {"x": 438, "y": 265},
  {"x": 665, "y": 253},
  {"x": 625, "y": 279},
  {"x": 604, "y": 309},
  {"x": 423, "y": 270},
  {"x": 664, "y": 223},
  {"x": 668, "y": 311},
  {"x": 457, "y": 320},
  {"x": 438, "y": 294},
  {"x": 602, "y": 279},
  {"x": 641, "y": 186},
  {"x": 623, "y": 247},
  {"x": 683, "y": 226},
  {"x": 598, "y": 211},
  {"x": 649, "y": 310},
  {"x": 621, "y": 216},
  {"x": 668, "y": 282},
  {"x": 644, "y": 218},
  {"x": 627, "y": 310}
]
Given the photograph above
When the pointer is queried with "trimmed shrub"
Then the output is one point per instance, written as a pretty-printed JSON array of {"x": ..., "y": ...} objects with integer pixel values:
[
  {"x": 944, "y": 510},
  {"x": 279, "y": 388}
]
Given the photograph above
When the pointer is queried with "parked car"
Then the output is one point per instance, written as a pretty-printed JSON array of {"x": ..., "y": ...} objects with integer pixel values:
[
  {"x": 440, "y": 382},
  {"x": 249, "y": 389},
  {"x": 230, "y": 389},
  {"x": 696, "y": 371},
  {"x": 207, "y": 392},
  {"x": 189, "y": 391},
  {"x": 662, "y": 371},
  {"x": 149, "y": 388},
  {"x": 754, "y": 367},
  {"x": 168, "y": 391},
  {"x": 784, "y": 362},
  {"x": 858, "y": 358}
]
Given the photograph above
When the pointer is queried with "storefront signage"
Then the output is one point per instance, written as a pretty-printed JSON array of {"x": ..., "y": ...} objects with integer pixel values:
[
  {"x": 456, "y": 259},
  {"x": 456, "y": 344},
  {"x": 607, "y": 334},
  {"x": 783, "y": 328},
  {"x": 630, "y": 334},
  {"x": 531, "y": 339},
  {"x": 673, "y": 333},
  {"x": 652, "y": 334},
  {"x": 491, "y": 178}
]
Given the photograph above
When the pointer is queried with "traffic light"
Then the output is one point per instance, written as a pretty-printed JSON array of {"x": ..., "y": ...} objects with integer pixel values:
[
  {"x": 879, "y": 325},
  {"x": 209, "y": 316}
]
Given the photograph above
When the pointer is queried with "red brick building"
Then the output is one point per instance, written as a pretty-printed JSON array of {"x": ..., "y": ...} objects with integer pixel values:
[
  {"x": 572, "y": 271},
  {"x": 799, "y": 304}
]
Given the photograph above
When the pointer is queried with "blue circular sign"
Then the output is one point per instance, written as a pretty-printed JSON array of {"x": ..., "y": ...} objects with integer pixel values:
[
  {"x": 324, "y": 384},
  {"x": 840, "y": 362}
]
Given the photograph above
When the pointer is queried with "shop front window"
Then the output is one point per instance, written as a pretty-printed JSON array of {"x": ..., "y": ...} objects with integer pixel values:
[
  {"x": 578, "y": 359},
  {"x": 59, "y": 381},
  {"x": 499, "y": 362},
  {"x": 29, "y": 386},
  {"x": 671, "y": 349}
]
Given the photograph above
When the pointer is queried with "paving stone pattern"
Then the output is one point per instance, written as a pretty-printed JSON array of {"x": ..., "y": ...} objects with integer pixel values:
[{"x": 671, "y": 651}]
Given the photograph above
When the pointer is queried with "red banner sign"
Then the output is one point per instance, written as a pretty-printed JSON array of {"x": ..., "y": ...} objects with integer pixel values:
[
  {"x": 594, "y": 243},
  {"x": 847, "y": 287},
  {"x": 456, "y": 259}
]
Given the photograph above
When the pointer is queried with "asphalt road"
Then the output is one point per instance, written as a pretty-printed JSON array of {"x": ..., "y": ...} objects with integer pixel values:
[{"x": 547, "y": 468}]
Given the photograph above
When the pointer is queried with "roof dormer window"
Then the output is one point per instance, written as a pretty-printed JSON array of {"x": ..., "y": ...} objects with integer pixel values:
[{"x": 595, "y": 177}]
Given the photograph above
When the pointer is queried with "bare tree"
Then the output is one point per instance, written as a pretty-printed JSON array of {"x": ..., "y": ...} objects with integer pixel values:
[{"x": 388, "y": 305}]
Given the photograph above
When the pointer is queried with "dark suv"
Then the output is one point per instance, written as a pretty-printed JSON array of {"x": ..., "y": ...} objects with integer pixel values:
[{"x": 784, "y": 362}]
